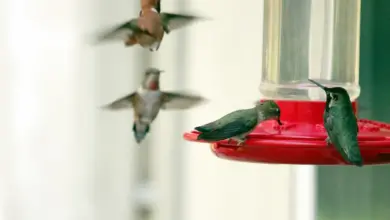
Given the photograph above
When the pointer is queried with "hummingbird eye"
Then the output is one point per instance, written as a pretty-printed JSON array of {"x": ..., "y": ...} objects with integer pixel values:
[{"x": 335, "y": 97}]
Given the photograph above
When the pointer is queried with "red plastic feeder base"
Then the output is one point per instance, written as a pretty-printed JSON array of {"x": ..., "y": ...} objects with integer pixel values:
[{"x": 301, "y": 139}]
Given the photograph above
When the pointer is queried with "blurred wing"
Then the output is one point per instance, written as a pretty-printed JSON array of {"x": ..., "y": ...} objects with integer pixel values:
[
  {"x": 121, "y": 32},
  {"x": 229, "y": 130},
  {"x": 175, "y": 21},
  {"x": 122, "y": 103},
  {"x": 173, "y": 100}
]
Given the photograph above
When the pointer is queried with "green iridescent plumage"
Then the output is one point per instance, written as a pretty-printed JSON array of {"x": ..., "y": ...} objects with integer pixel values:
[
  {"x": 238, "y": 124},
  {"x": 341, "y": 124}
]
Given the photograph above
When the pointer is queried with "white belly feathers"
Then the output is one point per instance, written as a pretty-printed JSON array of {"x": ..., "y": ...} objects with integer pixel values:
[{"x": 151, "y": 103}]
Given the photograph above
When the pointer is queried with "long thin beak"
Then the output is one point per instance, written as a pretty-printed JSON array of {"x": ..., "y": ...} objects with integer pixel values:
[
  {"x": 279, "y": 122},
  {"x": 319, "y": 85},
  {"x": 161, "y": 71}
]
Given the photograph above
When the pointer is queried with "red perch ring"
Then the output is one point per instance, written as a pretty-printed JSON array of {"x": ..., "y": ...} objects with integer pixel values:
[{"x": 301, "y": 139}]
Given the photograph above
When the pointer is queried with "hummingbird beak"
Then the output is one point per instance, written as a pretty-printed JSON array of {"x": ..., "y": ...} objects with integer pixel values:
[
  {"x": 319, "y": 85},
  {"x": 279, "y": 122}
]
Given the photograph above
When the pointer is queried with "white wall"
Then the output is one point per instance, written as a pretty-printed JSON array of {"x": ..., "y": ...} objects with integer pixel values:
[
  {"x": 48, "y": 155},
  {"x": 65, "y": 159}
]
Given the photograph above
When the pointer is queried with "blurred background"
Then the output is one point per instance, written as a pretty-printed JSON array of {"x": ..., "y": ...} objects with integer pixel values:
[{"x": 63, "y": 158}]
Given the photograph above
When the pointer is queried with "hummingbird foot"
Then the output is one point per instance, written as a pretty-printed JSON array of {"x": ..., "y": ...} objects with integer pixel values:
[
  {"x": 240, "y": 142},
  {"x": 229, "y": 140},
  {"x": 328, "y": 141}
]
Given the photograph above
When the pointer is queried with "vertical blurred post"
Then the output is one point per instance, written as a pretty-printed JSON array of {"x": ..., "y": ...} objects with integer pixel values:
[
  {"x": 167, "y": 151},
  {"x": 119, "y": 160}
]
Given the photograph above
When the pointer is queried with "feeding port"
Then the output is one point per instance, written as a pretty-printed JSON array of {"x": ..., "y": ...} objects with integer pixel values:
[{"x": 305, "y": 39}]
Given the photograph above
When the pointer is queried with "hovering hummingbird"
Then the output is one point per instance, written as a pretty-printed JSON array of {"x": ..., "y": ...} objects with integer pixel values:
[
  {"x": 148, "y": 29},
  {"x": 238, "y": 124},
  {"x": 341, "y": 124},
  {"x": 149, "y": 99}
]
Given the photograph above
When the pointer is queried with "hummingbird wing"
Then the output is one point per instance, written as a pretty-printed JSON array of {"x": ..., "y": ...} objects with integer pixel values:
[
  {"x": 173, "y": 100},
  {"x": 124, "y": 102},
  {"x": 172, "y": 21},
  {"x": 122, "y": 31},
  {"x": 221, "y": 121},
  {"x": 241, "y": 125},
  {"x": 342, "y": 128}
]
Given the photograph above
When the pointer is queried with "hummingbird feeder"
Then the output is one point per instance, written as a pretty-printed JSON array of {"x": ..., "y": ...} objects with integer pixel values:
[{"x": 305, "y": 39}]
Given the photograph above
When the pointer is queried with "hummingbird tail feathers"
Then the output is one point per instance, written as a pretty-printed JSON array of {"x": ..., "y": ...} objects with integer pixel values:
[
  {"x": 140, "y": 130},
  {"x": 206, "y": 127},
  {"x": 229, "y": 130},
  {"x": 212, "y": 136},
  {"x": 217, "y": 135},
  {"x": 353, "y": 155},
  {"x": 203, "y": 129},
  {"x": 356, "y": 159}
]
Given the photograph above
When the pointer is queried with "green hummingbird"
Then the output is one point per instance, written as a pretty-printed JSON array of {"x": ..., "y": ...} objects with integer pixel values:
[
  {"x": 148, "y": 29},
  {"x": 238, "y": 124},
  {"x": 341, "y": 124},
  {"x": 149, "y": 99}
]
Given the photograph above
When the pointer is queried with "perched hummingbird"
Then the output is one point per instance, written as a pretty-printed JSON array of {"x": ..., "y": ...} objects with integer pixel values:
[
  {"x": 148, "y": 29},
  {"x": 238, "y": 124},
  {"x": 149, "y": 99},
  {"x": 341, "y": 124}
]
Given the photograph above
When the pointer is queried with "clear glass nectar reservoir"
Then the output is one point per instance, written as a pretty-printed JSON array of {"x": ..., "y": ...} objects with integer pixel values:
[{"x": 310, "y": 39}]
